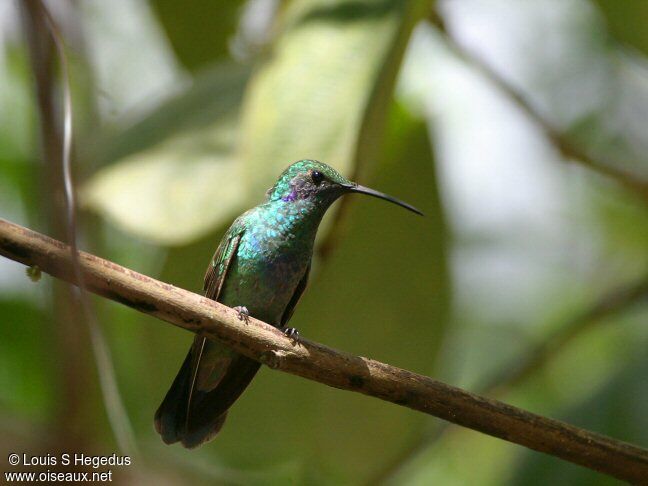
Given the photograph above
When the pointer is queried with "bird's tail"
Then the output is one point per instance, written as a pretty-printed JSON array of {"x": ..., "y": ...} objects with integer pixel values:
[{"x": 193, "y": 417}]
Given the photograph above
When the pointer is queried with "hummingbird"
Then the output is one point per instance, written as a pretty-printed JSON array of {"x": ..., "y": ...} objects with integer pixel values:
[{"x": 260, "y": 269}]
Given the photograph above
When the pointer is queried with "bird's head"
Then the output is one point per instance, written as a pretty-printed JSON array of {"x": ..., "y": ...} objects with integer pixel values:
[{"x": 322, "y": 184}]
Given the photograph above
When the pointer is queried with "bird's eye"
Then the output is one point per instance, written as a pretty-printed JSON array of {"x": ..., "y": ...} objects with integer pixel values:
[{"x": 317, "y": 177}]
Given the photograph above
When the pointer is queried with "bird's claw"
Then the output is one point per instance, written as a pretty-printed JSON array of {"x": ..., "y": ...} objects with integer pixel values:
[
  {"x": 292, "y": 333},
  {"x": 243, "y": 313}
]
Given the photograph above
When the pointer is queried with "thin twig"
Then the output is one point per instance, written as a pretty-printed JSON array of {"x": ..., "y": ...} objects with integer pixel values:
[
  {"x": 532, "y": 360},
  {"x": 568, "y": 150},
  {"x": 115, "y": 409},
  {"x": 615, "y": 301},
  {"x": 373, "y": 123},
  {"x": 544, "y": 352},
  {"x": 313, "y": 361}
]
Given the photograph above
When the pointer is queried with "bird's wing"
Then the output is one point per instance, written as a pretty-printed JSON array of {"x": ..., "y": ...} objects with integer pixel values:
[
  {"x": 217, "y": 270},
  {"x": 214, "y": 280},
  {"x": 212, "y": 376},
  {"x": 299, "y": 290}
]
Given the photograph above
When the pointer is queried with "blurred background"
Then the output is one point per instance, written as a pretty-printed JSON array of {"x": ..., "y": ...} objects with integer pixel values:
[{"x": 519, "y": 128}]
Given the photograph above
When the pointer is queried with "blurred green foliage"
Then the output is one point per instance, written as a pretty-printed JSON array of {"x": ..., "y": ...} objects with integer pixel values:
[
  {"x": 199, "y": 33},
  {"x": 627, "y": 21},
  {"x": 514, "y": 244},
  {"x": 170, "y": 161}
]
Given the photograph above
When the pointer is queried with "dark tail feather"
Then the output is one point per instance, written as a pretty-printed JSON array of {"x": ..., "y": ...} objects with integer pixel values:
[
  {"x": 208, "y": 409},
  {"x": 171, "y": 416}
]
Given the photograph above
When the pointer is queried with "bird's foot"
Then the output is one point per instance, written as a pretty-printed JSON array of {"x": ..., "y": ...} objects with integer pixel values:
[
  {"x": 243, "y": 313},
  {"x": 292, "y": 333}
]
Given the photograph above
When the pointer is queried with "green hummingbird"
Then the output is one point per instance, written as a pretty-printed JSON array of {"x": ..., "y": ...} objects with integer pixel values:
[{"x": 260, "y": 269}]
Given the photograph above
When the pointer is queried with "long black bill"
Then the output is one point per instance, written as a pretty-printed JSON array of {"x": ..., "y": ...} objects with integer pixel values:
[{"x": 381, "y": 195}]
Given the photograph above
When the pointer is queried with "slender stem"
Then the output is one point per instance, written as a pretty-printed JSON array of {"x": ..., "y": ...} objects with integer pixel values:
[
  {"x": 531, "y": 360},
  {"x": 569, "y": 150},
  {"x": 68, "y": 342},
  {"x": 60, "y": 136},
  {"x": 537, "y": 357},
  {"x": 618, "y": 299},
  {"x": 313, "y": 361}
]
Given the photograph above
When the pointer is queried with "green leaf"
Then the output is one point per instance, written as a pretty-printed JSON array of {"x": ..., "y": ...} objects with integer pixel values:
[
  {"x": 173, "y": 192},
  {"x": 215, "y": 92},
  {"x": 199, "y": 31},
  {"x": 324, "y": 91},
  {"x": 177, "y": 178}
]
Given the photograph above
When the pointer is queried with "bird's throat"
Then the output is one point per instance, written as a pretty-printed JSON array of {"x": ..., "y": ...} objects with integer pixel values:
[{"x": 297, "y": 218}]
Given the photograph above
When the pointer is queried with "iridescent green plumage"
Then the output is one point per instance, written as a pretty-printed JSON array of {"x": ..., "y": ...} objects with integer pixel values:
[{"x": 262, "y": 263}]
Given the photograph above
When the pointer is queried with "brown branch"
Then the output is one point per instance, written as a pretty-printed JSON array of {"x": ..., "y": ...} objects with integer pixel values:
[
  {"x": 566, "y": 148},
  {"x": 537, "y": 357},
  {"x": 531, "y": 361},
  {"x": 313, "y": 361}
]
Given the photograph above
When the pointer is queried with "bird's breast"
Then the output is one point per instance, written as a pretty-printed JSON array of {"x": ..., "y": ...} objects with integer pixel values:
[{"x": 265, "y": 273}]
